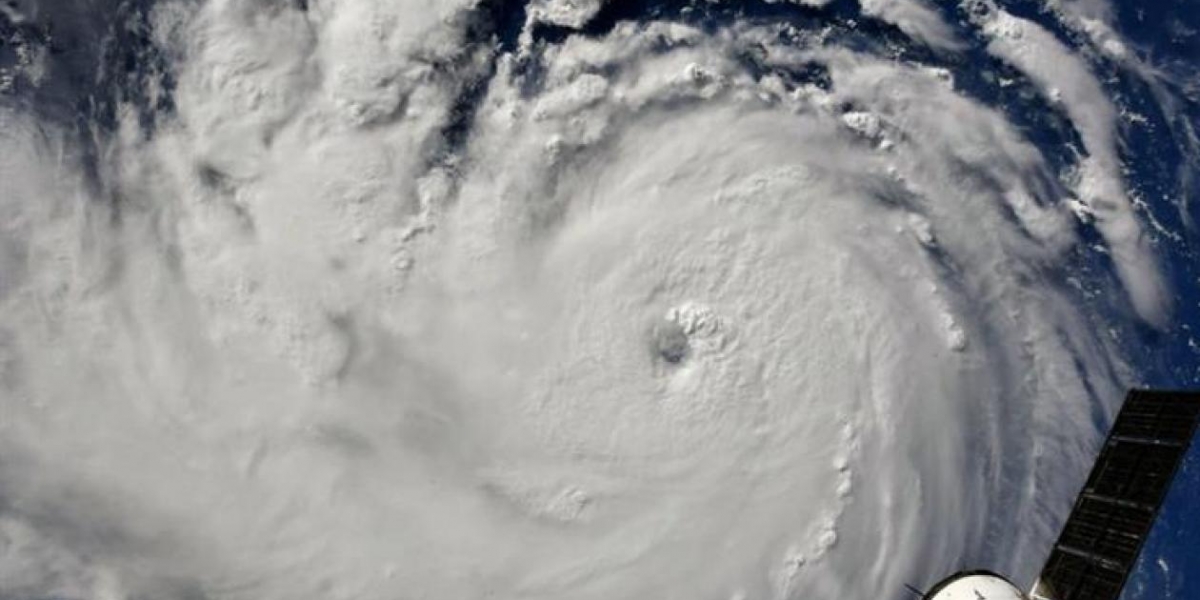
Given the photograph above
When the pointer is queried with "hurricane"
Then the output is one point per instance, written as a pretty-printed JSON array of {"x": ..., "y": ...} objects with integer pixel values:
[{"x": 567, "y": 299}]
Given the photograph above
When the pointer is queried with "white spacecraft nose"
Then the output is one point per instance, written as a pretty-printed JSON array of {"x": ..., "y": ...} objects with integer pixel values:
[{"x": 975, "y": 585}]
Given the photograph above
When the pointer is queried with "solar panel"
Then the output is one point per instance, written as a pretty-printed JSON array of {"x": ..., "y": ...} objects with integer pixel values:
[{"x": 1100, "y": 543}]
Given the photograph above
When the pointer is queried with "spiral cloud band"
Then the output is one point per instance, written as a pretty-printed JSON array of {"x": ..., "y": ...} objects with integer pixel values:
[{"x": 375, "y": 300}]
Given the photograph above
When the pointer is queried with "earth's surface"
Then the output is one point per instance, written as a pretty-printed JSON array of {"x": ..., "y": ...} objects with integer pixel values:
[{"x": 576, "y": 299}]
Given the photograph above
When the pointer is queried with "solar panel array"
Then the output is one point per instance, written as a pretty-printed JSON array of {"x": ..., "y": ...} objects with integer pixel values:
[{"x": 1114, "y": 513}]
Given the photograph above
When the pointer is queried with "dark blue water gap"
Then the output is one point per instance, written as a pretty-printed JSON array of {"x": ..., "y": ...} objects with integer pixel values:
[{"x": 1160, "y": 164}]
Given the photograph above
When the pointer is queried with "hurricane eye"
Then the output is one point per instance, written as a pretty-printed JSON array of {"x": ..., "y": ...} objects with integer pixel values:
[{"x": 669, "y": 343}]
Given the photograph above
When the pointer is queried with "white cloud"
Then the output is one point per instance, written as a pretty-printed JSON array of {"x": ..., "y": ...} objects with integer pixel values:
[
  {"x": 1065, "y": 77},
  {"x": 658, "y": 327}
]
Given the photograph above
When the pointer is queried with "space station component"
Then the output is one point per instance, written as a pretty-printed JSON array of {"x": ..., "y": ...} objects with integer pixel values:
[
  {"x": 973, "y": 585},
  {"x": 1103, "y": 536}
]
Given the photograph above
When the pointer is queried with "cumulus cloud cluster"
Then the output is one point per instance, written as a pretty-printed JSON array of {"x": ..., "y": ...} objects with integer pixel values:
[{"x": 384, "y": 308}]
